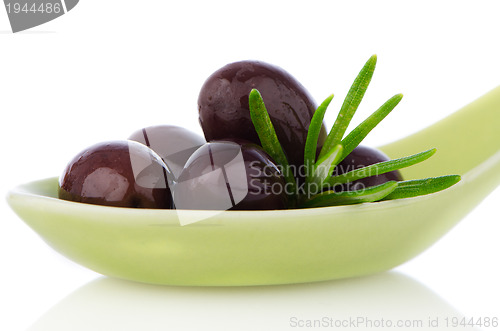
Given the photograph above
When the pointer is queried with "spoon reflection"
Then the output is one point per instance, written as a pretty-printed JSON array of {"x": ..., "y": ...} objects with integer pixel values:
[{"x": 374, "y": 302}]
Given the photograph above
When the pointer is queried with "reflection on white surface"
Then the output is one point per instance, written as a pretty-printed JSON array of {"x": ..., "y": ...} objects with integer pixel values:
[{"x": 377, "y": 302}]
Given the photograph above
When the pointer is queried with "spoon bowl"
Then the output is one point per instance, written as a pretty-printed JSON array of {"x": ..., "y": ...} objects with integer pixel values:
[{"x": 233, "y": 248}]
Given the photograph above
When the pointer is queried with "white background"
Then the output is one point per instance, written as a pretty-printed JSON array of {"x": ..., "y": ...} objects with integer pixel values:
[{"x": 110, "y": 67}]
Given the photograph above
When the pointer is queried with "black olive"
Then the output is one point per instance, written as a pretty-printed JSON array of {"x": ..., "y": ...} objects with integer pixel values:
[
  {"x": 224, "y": 111},
  {"x": 360, "y": 157},
  {"x": 172, "y": 143},
  {"x": 117, "y": 173},
  {"x": 230, "y": 175}
]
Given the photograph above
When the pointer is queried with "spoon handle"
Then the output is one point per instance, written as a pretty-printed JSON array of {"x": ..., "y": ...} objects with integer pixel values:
[{"x": 464, "y": 140}]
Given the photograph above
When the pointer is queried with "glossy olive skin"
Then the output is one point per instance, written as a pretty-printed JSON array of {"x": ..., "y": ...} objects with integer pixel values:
[
  {"x": 360, "y": 157},
  {"x": 172, "y": 143},
  {"x": 230, "y": 175},
  {"x": 224, "y": 111},
  {"x": 119, "y": 174}
]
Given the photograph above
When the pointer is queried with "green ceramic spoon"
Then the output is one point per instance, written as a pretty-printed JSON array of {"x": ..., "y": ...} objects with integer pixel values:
[{"x": 278, "y": 247}]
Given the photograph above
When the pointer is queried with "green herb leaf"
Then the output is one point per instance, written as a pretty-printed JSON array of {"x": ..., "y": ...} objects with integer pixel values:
[
  {"x": 325, "y": 165},
  {"x": 332, "y": 198},
  {"x": 381, "y": 168},
  {"x": 267, "y": 135},
  {"x": 337, "y": 147},
  {"x": 352, "y": 140},
  {"x": 413, "y": 188},
  {"x": 313, "y": 135},
  {"x": 350, "y": 105}
]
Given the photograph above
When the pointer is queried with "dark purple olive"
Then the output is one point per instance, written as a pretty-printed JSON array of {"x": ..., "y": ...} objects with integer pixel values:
[
  {"x": 360, "y": 157},
  {"x": 172, "y": 143},
  {"x": 117, "y": 173},
  {"x": 230, "y": 175},
  {"x": 224, "y": 111}
]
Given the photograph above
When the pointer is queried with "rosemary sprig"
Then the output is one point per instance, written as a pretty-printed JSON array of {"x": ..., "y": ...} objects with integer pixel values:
[
  {"x": 359, "y": 133},
  {"x": 332, "y": 198},
  {"x": 313, "y": 135},
  {"x": 380, "y": 168},
  {"x": 337, "y": 147},
  {"x": 350, "y": 105},
  {"x": 323, "y": 169},
  {"x": 417, "y": 187},
  {"x": 267, "y": 135}
]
